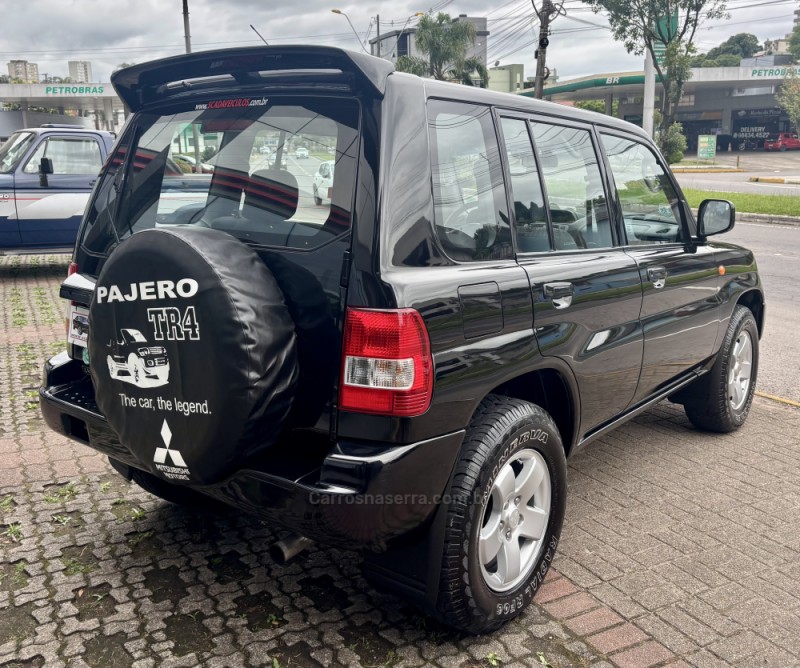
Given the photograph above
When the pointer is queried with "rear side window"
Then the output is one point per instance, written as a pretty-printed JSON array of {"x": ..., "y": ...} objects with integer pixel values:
[
  {"x": 650, "y": 206},
  {"x": 248, "y": 181},
  {"x": 575, "y": 192},
  {"x": 70, "y": 155},
  {"x": 470, "y": 210},
  {"x": 530, "y": 216}
]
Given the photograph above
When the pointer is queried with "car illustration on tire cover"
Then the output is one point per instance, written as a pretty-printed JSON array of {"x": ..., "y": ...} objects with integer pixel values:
[{"x": 133, "y": 361}]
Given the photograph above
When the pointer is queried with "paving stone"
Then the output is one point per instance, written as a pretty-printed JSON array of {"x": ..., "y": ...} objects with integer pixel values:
[{"x": 679, "y": 548}]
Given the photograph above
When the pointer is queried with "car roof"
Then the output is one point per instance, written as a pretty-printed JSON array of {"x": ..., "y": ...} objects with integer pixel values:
[
  {"x": 66, "y": 129},
  {"x": 513, "y": 101}
]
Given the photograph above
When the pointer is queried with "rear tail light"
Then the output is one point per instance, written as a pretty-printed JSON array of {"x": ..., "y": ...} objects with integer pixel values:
[
  {"x": 72, "y": 269},
  {"x": 387, "y": 367},
  {"x": 330, "y": 193}
]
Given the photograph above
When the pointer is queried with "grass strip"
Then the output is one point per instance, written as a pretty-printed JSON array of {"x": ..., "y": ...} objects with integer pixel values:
[{"x": 775, "y": 205}]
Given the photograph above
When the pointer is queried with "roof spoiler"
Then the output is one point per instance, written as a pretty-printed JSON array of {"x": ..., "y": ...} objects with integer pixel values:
[{"x": 139, "y": 84}]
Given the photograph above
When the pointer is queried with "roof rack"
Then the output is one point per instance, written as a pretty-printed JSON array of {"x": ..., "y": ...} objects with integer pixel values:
[{"x": 140, "y": 84}]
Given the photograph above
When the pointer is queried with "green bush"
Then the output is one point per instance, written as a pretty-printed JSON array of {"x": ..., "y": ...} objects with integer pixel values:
[{"x": 672, "y": 143}]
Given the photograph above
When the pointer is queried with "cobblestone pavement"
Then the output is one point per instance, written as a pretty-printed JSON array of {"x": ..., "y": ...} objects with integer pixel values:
[{"x": 679, "y": 548}]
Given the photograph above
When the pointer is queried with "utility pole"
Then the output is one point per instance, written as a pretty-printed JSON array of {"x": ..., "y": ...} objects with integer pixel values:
[
  {"x": 541, "y": 52},
  {"x": 195, "y": 134},
  {"x": 378, "y": 23},
  {"x": 187, "y": 36}
]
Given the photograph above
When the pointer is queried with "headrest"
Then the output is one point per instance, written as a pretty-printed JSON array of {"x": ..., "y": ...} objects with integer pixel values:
[{"x": 274, "y": 191}]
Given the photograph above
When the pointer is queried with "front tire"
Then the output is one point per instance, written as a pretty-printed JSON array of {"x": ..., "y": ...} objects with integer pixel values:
[
  {"x": 507, "y": 503},
  {"x": 720, "y": 401}
]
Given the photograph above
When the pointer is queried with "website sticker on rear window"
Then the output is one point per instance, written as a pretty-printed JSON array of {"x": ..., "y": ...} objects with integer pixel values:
[{"x": 233, "y": 103}]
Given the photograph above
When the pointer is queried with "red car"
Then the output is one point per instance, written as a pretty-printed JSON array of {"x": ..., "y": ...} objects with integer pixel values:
[{"x": 785, "y": 141}]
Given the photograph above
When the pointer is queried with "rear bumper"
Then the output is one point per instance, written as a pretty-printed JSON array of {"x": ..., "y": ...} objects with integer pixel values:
[{"x": 354, "y": 494}]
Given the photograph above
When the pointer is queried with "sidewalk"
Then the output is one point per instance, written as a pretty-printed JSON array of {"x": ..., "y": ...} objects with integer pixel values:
[{"x": 679, "y": 548}]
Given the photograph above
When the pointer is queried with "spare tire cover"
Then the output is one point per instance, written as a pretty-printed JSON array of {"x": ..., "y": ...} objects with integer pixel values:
[{"x": 192, "y": 352}]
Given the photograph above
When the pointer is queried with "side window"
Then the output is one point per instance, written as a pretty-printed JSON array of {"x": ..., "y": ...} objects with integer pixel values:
[
  {"x": 575, "y": 193},
  {"x": 650, "y": 207},
  {"x": 468, "y": 190},
  {"x": 70, "y": 155},
  {"x": 530, "y": 215}
]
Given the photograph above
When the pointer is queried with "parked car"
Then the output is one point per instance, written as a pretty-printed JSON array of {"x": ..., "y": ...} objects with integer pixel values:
[
  {"x": 205, "y": 167},
  {"x": 46, "y": 175},
  {"x": 498, "y": 282},
  {"x": 132, "y": 360},
  {"x": 323, "y": 182},
  {"x": 785, "y": 141},
  {"x": 301, "y": 153}
]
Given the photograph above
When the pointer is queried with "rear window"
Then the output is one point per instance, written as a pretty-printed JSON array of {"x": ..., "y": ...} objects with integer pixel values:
[{"x": 232, "y": 165}]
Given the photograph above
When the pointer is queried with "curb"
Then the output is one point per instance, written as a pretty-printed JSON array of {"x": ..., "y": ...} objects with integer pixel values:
[
  {"x": 791, "y": 221},
  {"x": 705, "y": 170},
  {"x": 773, "y": 179}
]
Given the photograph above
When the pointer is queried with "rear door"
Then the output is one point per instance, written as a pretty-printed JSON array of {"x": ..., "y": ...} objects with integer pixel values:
[
  {"x": 586, "y": 290},
  {"x": 680, "y": 307},
  {"x": 49, "y": 213}
]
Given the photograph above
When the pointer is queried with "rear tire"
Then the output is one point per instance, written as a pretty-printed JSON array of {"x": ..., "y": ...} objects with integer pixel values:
[
  {"x": 720, "y": 401},
  {"x": 317, "y": 198},
  {"x": 498, "y": 544}
]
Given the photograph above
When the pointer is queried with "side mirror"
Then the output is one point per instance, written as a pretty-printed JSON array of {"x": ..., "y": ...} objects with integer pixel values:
[
  {"x": 46, "y": 166},
  {"x": 715, "y": 216}
]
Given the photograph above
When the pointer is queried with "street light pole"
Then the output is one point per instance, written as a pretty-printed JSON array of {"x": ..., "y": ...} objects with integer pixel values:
[{"x": 360, "y": 43}]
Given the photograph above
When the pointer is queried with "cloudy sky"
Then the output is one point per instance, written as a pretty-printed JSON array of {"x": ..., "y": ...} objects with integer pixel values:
[{"x": 51, "y": 32}]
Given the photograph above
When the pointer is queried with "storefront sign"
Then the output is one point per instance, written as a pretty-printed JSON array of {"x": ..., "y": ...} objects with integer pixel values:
[{"x": 706, "y": 147}]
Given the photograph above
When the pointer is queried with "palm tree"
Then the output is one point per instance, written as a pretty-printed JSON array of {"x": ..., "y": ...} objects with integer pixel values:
[{"x": 445, "y": 43}]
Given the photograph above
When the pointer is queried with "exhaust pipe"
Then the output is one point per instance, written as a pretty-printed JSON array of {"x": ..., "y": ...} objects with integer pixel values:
[{"x": 288, "y": 548}]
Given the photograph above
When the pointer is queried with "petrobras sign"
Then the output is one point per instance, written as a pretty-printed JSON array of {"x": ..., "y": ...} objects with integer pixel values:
[
  {"x": 774, "y": 72},
  {"x": 69, "y": 89}
]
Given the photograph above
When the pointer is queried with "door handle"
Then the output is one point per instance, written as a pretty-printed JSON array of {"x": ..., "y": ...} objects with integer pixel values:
[
  {"x": 658, "y": 276},
  {"x": 560, "y": 293}
]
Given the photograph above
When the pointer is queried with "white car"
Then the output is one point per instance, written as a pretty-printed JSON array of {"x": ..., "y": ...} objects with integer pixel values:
[
  {"x": 301, "y": 153},
  {"x": 323, "y": 182}
]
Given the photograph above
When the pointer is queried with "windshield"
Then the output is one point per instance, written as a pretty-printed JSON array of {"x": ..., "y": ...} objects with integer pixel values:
[
  {"x": 13, "y": 149},
  {"x": 133, "y": 336},
  {"x": 257, "y": 189}
]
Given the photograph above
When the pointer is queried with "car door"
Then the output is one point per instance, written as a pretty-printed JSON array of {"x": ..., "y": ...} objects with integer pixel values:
[
  {"x": 49, "y": 209},
  {"x": 679, "y": 278},
  {"x": 586, "y": 290}
]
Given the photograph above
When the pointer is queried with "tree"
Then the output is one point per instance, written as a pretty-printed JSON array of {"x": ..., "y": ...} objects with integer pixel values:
[
  {"x": 789, "y": 96},
  {"x": 794, "y": 43},
  {"x": 121, "y": 66},
  {"x": 655, "y": 25},
  {"x": 599, "y": 106},
  {"x": 730, "y": 52},
  {"x": 445, "y": 43}
]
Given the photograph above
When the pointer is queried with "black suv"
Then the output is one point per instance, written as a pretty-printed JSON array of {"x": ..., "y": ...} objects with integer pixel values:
[{"x": 404, "y": 367}]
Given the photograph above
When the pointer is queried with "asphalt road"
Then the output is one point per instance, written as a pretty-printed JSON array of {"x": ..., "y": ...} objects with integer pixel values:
[
  {"x": 777, "y": 249},
  {"x": 753, "y": 163}
]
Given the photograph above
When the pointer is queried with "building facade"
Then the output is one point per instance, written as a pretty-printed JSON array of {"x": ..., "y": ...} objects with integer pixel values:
[
  {"x": 396, "y": 43},
  {"x": 737, "y": 104},
  {"x": 507, "y": 78},
  {"x": 23, "y": 71},
  {"x": 80, "y": 71}
]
